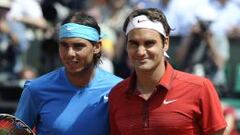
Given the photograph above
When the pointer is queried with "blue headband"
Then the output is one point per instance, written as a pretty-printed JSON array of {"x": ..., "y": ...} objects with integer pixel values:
[{"x": 73, "y": 30}]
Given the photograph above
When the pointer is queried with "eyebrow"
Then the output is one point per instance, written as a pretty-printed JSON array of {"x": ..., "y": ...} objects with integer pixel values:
[
  {"x": 62, "y": 42},
  {"x": 132, "y": 41},
  {"x": 79, "y": 44}
]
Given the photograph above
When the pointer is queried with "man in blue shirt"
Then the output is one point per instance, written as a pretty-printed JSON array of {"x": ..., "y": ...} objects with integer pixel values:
[{"x": 71, "y": 100}]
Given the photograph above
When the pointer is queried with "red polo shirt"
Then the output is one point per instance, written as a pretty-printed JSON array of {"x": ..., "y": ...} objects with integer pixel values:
[{"x": 183, "y": 104}]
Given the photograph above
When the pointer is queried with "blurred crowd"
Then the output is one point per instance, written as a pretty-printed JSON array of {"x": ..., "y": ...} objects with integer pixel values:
[
  {"x": 27, "y": 24},
  {"x": 204, "y": 28}
]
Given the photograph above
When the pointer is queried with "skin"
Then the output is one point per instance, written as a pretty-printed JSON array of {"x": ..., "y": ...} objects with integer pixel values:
[
  {"x": 145, "y": 51},
  {"x": 76, "y": 55}
]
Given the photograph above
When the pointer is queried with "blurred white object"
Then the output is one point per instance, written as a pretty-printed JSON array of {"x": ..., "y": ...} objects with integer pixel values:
[
  {"x": 5, "y": 3},
  {"x": 106, "y": 65},
  {"x": 198, "y": 69}
]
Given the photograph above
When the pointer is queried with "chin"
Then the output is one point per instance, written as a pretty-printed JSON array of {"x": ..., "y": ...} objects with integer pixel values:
[
  {"x": 75, "y": 70},
  {"x": 72, "y": 71},
  {"x": 143, "y": 68}
]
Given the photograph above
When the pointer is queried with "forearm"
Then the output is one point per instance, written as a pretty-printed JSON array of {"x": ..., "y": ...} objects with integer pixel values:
[
  {"x": 183, "y": 49},
  {"x": 216, "y": 56},
  {"x": 4, "y": 28},
  {"x": 36, "y": 22}
]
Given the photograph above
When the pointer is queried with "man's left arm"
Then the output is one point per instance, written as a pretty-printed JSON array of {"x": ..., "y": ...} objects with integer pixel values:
[{"x": 213, "y": 121}]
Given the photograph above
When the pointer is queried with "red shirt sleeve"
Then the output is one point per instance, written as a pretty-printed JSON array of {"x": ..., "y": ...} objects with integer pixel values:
[{"x": 212, "y": 118}]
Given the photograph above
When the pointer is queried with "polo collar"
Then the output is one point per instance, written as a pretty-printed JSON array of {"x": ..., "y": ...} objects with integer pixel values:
[{"x": 165, "y": 82}]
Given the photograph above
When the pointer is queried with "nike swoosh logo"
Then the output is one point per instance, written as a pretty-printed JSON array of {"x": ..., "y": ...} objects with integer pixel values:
[
  {"x": 141, "y": 21},
  {"x": 69, "y": 28},
  {"x": 105, "y": 98},
  {"x": 169, "y": 101}
]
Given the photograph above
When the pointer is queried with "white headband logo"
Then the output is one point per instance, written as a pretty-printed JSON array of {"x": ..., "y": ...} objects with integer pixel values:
[{"x": 142, "y": 21}]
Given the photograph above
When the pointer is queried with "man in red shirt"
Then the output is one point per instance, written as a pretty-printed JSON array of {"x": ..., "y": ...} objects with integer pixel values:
[{"x": 157, "y": 99}]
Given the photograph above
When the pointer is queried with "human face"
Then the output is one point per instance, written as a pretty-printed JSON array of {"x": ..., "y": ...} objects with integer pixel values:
[
  {"x": 77, "y": 54},
  {"x": 145, "y": 49}
]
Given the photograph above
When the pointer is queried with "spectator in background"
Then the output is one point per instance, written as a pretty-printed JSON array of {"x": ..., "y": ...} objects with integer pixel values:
[
  {"x": 110, "y": 14},
  {"x": 49, "y": 55},
  {"x": 8, "y": 43},
  {"x": 157, "y": 99},
  {"x": 108, "y": 38},
  {"x": 27, "y": 73},
  {"x": 174, "y": 10},
  {"x": 108, "y": 53},
  {"x": 28, "y": 12},
  {"x": 204, "y": 51},
  {"x": 116, "y": 10},
  {"x": 25, "y": 17},
  {"x": 228, "y": 16},
  {"x": 71, "y": 100}
]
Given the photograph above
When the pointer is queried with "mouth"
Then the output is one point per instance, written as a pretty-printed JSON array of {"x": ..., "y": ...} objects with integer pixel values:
[
  {"x": 72, "y": 63},
  {"x": 141, "y": 61}
]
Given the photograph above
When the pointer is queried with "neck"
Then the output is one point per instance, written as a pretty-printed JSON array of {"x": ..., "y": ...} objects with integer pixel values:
[
  {"x": 83, "y": 77},
  {"x": 148, "y": 80}
]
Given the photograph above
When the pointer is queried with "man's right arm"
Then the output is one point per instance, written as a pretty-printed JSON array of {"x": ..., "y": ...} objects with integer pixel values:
[{"x": 26, "y": 110}]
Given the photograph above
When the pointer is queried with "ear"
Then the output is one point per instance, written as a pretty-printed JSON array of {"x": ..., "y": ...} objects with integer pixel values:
[
  {"x": 97, "y": 47},
  {"x": 166, "y": 44}
]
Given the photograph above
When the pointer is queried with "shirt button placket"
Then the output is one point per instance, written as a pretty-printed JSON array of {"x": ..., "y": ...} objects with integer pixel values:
[{"x": 145, "y": 114}]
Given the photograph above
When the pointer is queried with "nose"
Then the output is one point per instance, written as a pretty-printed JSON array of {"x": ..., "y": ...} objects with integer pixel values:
[
  {"x": 71, "y": 51},
  {"x": 141, "y": 50}
]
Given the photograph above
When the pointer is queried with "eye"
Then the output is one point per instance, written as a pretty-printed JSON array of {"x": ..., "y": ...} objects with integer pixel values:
[
  {"x": 78, "y": 46},
  {"x": 63, "y": 45},
  {"x": 150, "y": 43},
  {"x": 132, "y": 44}
]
